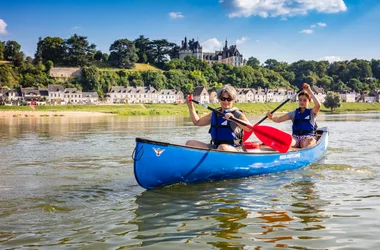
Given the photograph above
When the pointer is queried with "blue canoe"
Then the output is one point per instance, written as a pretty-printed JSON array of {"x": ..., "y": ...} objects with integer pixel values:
[{"x": 159, "y": 164}]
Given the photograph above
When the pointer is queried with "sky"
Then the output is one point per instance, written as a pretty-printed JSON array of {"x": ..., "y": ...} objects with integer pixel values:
[{"x": 285, "y": 30}]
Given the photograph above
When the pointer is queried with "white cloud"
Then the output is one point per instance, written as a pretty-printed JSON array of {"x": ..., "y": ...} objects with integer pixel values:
[
  {"x": 176, "y": 15},
  {"x": 75, "y": 27},
  {"x": 331, "y": 58},
  {"x": 273, "y": 8},
  {"x": 307, "y": 31},
  {"x": 242, "y": 40},
  {"x": 3, "y": 26},
  {"x": 211, "y": 45},
  {"x": 312, "y": 27}
]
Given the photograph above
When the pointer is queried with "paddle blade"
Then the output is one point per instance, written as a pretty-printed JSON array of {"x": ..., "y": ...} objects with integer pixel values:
[
  {"x": 247, "y": 135},
  {"x": 274, "y": 138}
]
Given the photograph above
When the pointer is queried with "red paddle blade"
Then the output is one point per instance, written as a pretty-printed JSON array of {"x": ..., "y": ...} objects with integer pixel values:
[
  {"x": 274, "y": 138},
  {"x": 247, "y": 135}
]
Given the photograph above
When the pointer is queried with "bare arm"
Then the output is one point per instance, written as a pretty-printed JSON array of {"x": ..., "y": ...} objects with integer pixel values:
[
  {"x": 278, "y": 119},
  {"x": 317, "y": 103},
  {"x": 203, "y": 121}
]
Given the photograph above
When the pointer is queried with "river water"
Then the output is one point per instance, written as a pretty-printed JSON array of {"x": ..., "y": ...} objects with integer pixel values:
[{"x": 68, "y": 183}]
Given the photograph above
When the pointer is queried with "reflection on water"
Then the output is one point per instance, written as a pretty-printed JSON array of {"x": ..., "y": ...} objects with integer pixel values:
[{"x": 67, "y": 182}]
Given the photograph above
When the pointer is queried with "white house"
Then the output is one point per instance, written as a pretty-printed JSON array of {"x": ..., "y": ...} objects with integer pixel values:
[
  {"x": 201, "y": 95},
  {"x": 347, "y": 96},
  {"x": 244, "y": 95},
  {"x": 72, "y": 96},
  {"x": 55, "y": 93},
  {"x": 90, "y": 97},
  {"x": 260, "y": 95}
]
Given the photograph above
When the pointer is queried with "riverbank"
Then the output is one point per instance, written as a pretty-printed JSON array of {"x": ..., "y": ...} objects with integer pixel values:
[
  {"x": 24, "y": 113},
  {"x": 162, "y": 109}
]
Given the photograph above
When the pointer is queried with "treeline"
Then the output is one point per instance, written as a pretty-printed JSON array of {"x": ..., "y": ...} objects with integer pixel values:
[{"x": 358, "y": 75}]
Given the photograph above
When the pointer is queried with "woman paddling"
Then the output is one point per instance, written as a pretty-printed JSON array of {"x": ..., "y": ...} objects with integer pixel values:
[
  {"x": 225, "y": 134},
  {"x": 303, "y": 119}
]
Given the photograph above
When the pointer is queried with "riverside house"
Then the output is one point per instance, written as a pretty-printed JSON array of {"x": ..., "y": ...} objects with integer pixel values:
[
  {"x": 72, "y": 95},
  {"x": 90, "y": 97},
  {"x": 55, "y": 93},
  {"x": 347, "y": 96},
  {"x": 200, "y": 94},
  {"x": 121, "y": 94},
  {"x": 244, "y": 95}
]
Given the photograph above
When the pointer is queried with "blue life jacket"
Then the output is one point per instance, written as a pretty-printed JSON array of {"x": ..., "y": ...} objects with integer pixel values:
[
  {"x": 302, "y": 124},
  {"x": 225, "y": 132}
]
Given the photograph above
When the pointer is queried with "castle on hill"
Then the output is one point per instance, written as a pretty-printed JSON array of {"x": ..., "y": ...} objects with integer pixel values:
[{"x": 229, "y": 55}]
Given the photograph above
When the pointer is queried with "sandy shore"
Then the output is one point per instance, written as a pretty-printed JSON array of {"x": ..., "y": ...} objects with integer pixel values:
[{"x": 15, "y": 114}]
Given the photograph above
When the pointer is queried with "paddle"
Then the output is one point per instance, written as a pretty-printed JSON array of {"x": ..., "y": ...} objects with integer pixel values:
[
  {"x": 264, "y": 129},
  {"x": 272, "y": 137}
]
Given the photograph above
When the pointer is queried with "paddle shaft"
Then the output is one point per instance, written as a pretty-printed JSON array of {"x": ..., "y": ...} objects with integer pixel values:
[
  {"x": 282, "y": 104},
  {"x": 222, "y": 114}
]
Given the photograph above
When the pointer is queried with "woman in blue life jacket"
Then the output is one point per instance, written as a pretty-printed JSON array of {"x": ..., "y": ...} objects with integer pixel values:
[
  {"x": 303, "y": 119},
  {"x": 225, "y": 134}
]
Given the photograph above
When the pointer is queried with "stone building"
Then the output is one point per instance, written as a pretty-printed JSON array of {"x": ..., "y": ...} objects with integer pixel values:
[
  {"x": 229, "y": 55},
  {"x": 191, "y": 48}
]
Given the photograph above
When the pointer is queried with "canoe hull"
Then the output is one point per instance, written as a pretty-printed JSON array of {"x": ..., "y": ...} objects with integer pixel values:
[{"x": 159, "y": 164}]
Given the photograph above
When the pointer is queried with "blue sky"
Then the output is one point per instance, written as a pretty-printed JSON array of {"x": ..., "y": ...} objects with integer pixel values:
[{"x": 285, "y": 30}]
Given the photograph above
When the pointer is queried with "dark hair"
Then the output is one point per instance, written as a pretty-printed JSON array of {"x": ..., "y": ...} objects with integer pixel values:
[{"x": 305, "y": 94}]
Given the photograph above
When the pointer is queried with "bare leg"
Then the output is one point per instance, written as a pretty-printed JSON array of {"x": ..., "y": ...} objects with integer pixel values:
[
  {"x": 198, "y": 144},
  {"x": 293, "y": 143},
  {"x": 226, "y": 147},
  {"x": 309, "y": 142}
]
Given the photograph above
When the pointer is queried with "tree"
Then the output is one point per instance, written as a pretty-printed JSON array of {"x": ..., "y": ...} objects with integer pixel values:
[
  {"x": 123, "y": 54},
  {"x": 7, "y": 76},
  {"x": 332, "y": 101},
  {"x": 253, "y": 62},
  {"x": 18, "y": 59},
  {"x": 29, "y": 60},
  {"x": 98, "y": 56},
  {"x": 155, "y": 79},
  {"x": 325, "y": 83},
  {"x": 50, "y": 49},
  {"x": 105, "y": 57},
  {"x": 160, "y": 51},
  {"x": 276, "y": 65},
  {"x": 48, "y": 65},
  {"x": 174, "y": 52},
  {"x": 11, "y": 49},
  {"x": 375, "y": 65},
  {"x": 356, "y": 85},
  {"x": 1, "y": 50},
  {"x": 78, "y": 51},
  {"x": 91, "y": 79},
  {"x": 142, "y": 45},
  {"x": 177, "y": 79}
]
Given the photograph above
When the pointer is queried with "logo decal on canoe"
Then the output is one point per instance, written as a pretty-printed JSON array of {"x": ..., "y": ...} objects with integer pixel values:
[
  {"x": 158, "y": 151},
  {"x": 290, "y": 156}
]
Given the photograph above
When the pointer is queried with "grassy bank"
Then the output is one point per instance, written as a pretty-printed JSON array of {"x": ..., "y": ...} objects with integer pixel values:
[{"x": 181, "y": 109}]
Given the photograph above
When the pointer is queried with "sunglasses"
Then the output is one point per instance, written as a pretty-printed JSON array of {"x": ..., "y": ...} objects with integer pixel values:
[
  {"x": 225, "y": 99},
  {"x": 303, "y": 100}
]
